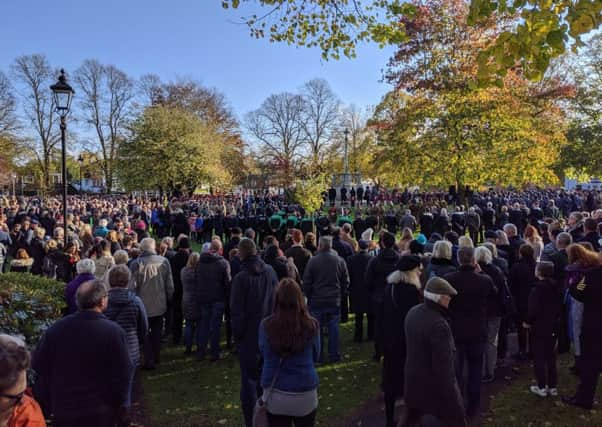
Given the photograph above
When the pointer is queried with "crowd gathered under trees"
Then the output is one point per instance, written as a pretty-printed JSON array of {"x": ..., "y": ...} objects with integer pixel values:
[{"x": 440, "y": 284}]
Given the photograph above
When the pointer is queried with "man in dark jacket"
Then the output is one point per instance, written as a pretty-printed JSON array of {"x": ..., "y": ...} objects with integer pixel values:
[
  {"x": 297, "y": 252},
  {"x": 469, "y": 324},
  {"x": 430, "y": 381},
  {"x": 560, "y": 258},
  {"x": 250, "y": 302},
  {"x": 358, "y": 291},
  {"x": 515, "y": 242},
  {"x": 589, "y": 292},
  {"x": 590, "y": 227},
  {"x": 83, "y": 365},
  {"x": 325, "y": 281},
  {"x": 212, "y": 276},
  {"x": 377, "y": 272},
  {"x": 177, "y": 263}
]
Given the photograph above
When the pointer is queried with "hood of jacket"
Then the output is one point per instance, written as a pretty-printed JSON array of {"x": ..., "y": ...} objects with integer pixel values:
[
  {"x": 209, "y": 258},
  {"x": 253, "y": 264}
]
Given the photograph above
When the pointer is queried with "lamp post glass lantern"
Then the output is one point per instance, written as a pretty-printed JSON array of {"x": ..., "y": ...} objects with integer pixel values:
[{"x": 63, "y": 95}]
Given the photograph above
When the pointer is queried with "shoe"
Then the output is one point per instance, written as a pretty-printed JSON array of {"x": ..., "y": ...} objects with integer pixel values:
[
  {"x": 541, "y": 392},
  {"x": 573, "y": 402},
  {"x": 553, "y": 392},
  {"x": 488, "y": 379}
]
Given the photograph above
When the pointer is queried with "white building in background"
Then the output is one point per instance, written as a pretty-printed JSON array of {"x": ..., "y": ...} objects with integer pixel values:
[{"x": 592, "y": 184}]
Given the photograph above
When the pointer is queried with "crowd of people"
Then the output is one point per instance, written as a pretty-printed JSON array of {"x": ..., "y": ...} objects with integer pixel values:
[{"x": 436, "y": 286}]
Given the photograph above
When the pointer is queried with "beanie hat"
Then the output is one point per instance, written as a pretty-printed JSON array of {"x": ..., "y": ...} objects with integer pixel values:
[{"x": 439, "y": 286}]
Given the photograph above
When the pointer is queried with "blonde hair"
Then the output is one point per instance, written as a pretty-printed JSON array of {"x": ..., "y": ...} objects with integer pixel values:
[
  {"x": 193, "y": 259},
  {"x": 465, "y": 242}
]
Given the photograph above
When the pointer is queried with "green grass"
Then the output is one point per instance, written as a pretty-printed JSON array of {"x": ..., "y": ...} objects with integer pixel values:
[
  {"x": 515, "y": 405},
  {"x": 184, "y": 392}
]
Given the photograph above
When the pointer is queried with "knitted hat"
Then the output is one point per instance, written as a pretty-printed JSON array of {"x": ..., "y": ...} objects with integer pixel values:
[{"x": 439, "y": 286}]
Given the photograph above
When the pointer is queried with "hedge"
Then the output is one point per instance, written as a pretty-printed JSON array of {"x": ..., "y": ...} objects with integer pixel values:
[{"x": 29, "y": 304}]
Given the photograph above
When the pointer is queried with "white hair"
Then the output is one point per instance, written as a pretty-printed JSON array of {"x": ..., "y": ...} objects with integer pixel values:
[
  {"x": 483, "y": 255},
  {"x": 85, "y": 265},
  {"x": 432, "y": 297},
  {"x": 103, "y": 222},
  {"x": 510, "y": 229},
  {"x": 148, "y": 244},
  {"x": 442, "y": 249}
]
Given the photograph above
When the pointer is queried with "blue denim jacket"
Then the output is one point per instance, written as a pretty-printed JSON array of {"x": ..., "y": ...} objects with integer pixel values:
[{"x": 297, "y": 373}]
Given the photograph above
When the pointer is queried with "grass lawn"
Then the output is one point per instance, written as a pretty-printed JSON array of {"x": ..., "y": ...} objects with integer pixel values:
[
  {"x": 515, "y": 405},
  {"x": 184, "y": 392}
]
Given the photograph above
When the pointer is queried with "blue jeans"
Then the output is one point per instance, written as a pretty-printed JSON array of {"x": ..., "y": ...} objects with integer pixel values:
[
  {"x": 328, "y": 317},
  {"x": 192, "y": 329},
  {"x": 209, "y": 330},
  {"x": 470, "y": 355}
]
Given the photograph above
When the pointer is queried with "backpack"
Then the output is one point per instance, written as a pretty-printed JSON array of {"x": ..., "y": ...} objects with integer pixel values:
[{"x": 49, "y": 268}]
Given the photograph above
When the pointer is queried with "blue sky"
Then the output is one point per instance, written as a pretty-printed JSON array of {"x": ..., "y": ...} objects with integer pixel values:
[{"x": 181, "y": 38}]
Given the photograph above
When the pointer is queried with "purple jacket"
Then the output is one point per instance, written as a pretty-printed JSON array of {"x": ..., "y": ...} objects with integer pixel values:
[{"x": 71, "y": 290}]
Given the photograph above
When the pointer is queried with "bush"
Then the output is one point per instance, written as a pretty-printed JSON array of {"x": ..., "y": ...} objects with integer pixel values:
[{"x": 29, "y": 304}]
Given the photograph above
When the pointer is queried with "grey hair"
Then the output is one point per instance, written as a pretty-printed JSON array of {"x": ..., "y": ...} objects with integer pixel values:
[
  {"x": 121, "y": 257},
  {"x": 325, "y": 243},
  {"x": 168, "y": 241},
  {"x": 483, "y": 255},
  {"x": 502, "y": 237},
  {"x": 442, "y": 249},
  {"x": 148, "y": 244},
  {"x": 85, "y": 265},
  {"x": 119, "y": 276},
  {"x": 465, "y": 241},
  {"x": 90, "y": 294},
  {"x": 432, "y": 297},
  {"x": 563, "y": 240},
  {"x": 510, "y": 228},
  {"x": 466, "y": 256},
  {"x": 492, "y": 248}
]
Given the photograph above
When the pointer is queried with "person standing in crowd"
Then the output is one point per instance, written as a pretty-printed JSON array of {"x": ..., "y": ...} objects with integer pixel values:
[
  {"x": 177, "y": 263},
  {"x": 152, "y": 281},
  {"x": 37, "y": 251},
  {"x": 127, "y": 310},
  {"x": 441, "y": 262},
  {"x": 469, "y": 325},
  {"x": 473, "y": 224},
  {"x": 297, "y": 252},
  {"x": 191, "y": 309},
  {"x": 22, "y": 262},
  {"x": 325, "y": 281},
  {"x": 83, "y": 365},
  {"x": 289, "y": 342},
  {"x": 85, "y": 273},
  {"x": 533, "y": 239},
  {"x": 545, "y": 308},
  {"x": 401, "y": 294},
  {"x": 589, "y": 292},
  {"x": 494, "y": 310},
  {"x": 430, "y": 385},
  {"x": 104, "y": 260},
  {"x": 521, "y": 280},
  {"x": 377, "y": 272},
  {"x": 590, "y": 227},
  {"x": 514, "y": 243},
  {"x": 250, "y": 302},
  {"x": 17, "y": 408},
  {"x": 212, "y": 277},
  {"x": 358, "y": 292}
]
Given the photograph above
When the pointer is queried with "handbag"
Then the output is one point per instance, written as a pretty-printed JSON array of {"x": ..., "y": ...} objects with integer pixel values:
[{"x": 260, "y": 412}]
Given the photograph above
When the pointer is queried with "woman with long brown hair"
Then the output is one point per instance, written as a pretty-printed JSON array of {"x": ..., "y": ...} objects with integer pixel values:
[
  {"x": 581, "y": 259},
  {"x": 534, "y": 240},
  {"x": 289, "y": 343}
]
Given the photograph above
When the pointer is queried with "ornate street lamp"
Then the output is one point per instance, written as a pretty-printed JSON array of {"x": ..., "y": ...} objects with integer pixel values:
[
  {"x": 63, "y": 95},
  {"x": 80, "y": 160}
]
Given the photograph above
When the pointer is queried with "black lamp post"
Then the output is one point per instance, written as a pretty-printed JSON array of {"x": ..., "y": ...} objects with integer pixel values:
[
  {"x": 63, "y": 94},
  {"x": 80, "y": 160}
]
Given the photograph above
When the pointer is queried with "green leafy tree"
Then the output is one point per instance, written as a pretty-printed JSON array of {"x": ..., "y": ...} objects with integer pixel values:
[
  {"x": 308, "y": 192},
  {"x": 171, "y": 150}
]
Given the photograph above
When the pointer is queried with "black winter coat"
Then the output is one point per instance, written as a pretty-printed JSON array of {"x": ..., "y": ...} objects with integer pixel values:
[
  {"x": 495, "y": 307},
  {"x": 589, "y": 292},
  {"x": 38, "y": 253},
  {"x": 212, "y": 275},
  {"x": 441, "y": 224},
  {"x": 439, "y": 267},
  {"x": 430, "y": 380},
  {"x": 378, "y": 270},
  {"x": 469, "y": 308},
  {"x": 398, "y": 300},
  {"x": 358, "y": 288},
  {"x": 127, "y": 310},
  {"x": 251, "y": 301},
  {"x": 545, "y": 308},
  {"x": 521, "y": 280},
  {"x": 177, "y": 263}
]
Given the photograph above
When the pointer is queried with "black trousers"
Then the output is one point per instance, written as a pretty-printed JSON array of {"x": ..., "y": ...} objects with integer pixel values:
[
  {"x": 228, "y": 322},
  {"x": 152, "y": 344},
  {"x": 108, "y": 419},
  {"x": 390, "y": 409},
  {"x": 287, "y": 421},
  {"x": 590, "y": 367},
  {"x": 359, "y": 326},
  {"x": 413, "y": 418},
  {"x": 177, "y": 320},
  {"x": 344, "y": 308},
  {"x": 377, "y": 309},
  {"x": 502, "y": 344},
  {"x": 544, "y": 361}
]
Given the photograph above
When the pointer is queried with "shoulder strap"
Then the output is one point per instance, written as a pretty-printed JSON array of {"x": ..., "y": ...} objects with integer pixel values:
[{"x": 276, "y": 375}]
